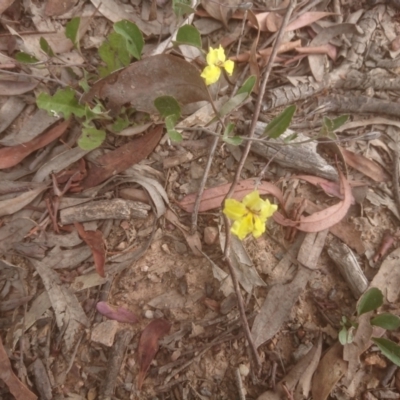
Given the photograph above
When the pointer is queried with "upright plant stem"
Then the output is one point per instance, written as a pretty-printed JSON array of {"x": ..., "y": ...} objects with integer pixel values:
[{"x": 245, "y": 153}]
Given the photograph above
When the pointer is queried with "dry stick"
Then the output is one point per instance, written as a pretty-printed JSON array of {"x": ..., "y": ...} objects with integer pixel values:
[
  {"x": 246, "y": 150},
  {"x": 396, "y": 190},
  {"x": 203, "y": 184}
]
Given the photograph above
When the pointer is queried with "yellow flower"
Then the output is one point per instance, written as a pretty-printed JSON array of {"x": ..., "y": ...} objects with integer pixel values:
[
  {"x": 216, "y": 60},
  {"x": 250, "y": 215}
]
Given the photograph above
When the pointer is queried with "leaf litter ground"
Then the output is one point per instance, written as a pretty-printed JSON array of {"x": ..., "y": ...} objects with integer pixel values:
[{"x": 151, "y": 312}]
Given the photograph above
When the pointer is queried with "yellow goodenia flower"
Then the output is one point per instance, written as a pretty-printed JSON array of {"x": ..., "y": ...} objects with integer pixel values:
[
  {"x": 216, "y": 60},
  {"x": 250, "y": 215}
]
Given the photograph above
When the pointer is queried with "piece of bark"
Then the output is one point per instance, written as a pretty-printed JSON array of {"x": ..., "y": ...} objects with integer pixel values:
[
  {"x": 42, "y": 381},
  {"x": 302, "y": 157},
  {"x": 104, "y": 209},
  {"x": 311, "y": 248},
  {"x": 349, "y": 268},
  {"x": 115, "y": 362}
]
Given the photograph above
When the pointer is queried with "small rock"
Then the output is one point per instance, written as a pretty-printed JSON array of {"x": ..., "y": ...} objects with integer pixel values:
[
  {"x": 175, "y": 355},
  {"x": 210, "y": 234},
  {"x": 149, "y": 314},
  {"x": 104, "y": 332},
  {"x": 196, "y": 171},
  {"x": 244, "y": 370}
]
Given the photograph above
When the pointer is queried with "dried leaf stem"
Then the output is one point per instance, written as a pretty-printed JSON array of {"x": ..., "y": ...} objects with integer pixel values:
[{"x": 246, "y": 150}]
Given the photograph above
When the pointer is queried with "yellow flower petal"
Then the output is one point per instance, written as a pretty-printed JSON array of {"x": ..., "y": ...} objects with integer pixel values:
[
  {"x": 243, "y": 227},
  {"x": 234, "y": 209},
  {"x": 267, "y": 210},
  {"x": 211, "y": 74},
  {"x": 228, "y": 65},
  {"x": 259, "y": 226},
  {"x": 253, "y": 201},
  {"x": 213, "y": 56}
]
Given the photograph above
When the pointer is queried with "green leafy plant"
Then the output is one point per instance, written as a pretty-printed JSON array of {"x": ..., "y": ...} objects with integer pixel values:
[{"x": 370, "y": 301}]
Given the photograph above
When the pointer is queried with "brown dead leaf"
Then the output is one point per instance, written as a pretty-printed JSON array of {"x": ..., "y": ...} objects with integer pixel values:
[
  {"x": 142, "y": 82},
  {"x": 330, "y": 369},
  {"x": 307, "y": 19},
  {"x": 57, "y": 7},
  {"x": 273, "y": 21},
  {"x": 119, "y": 314},
  {"x": 16, "y": 387},
  {"x": 148, "y": 345},
  {"x": 221, "y": 10},
  {"x": 327, "y": 49},
  {"x": 4, "y": 4},
  {"x": 213, "y": 197},
  {"x": 193, "y": 240},
  {"x": 95, "y": 240},
  {"x": 324, "y": 219},
  {"x": 16, "y": 87},
  {"x": 11, "y": 156},
  {"x": 122, "y": 158},
  {"x": 365, "y": 165}
]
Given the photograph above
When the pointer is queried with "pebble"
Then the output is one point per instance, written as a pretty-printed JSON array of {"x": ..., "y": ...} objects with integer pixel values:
[
  {"x": 149, "y": 314},
  {"x": 210, "y": 234},
  {"x": 244, "y": 369}
]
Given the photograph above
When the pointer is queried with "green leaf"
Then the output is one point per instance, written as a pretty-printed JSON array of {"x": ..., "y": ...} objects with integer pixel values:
[
  {"x": 167, "y": 106},
  {"x": 25, "y": 58},
  {"x": 369, "y": 301},
  {"x": 188, "y": 34},
  {"x": 44, "y": 45},
  {"x": 234, "y": 140},
  {"x": 280, "y": 123},
  {"x": 389, "y": 349},
  {"x": 248, "y": 85},
  {"x": 232, "y": 104},
  {"x": 387, "y": 321},
  {"x": 182, "y": 7},
  {"x": 343, "y": 336},
  {"x": 174, "y": 135},
  {"x": 91, "y": 138},
  {"x": 120, "y": 124},
  {"x": 114, "y": 53},
  {"x": 64, "y": 101},
  {"x": 289, "y": 138},
  {"x": 170, "y": 122},
  {"x": 72, "y": 29},
  {"x": 339, "y": 121},
  {"x": 229, "y": 129},
  {"x": 134, "y": 38}
]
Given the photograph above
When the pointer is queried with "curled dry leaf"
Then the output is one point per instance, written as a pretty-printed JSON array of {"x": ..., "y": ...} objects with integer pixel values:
[
  {"x": 119, "y": 314},
  {"x": 148, "y": 345},
  {"x": 11, "y": 156},
  {"x": 16, "y": 387},
  {"x": 213, "y": 197},
  {"x": 142, "y": 82},
  {"x": 95, "y": 240},
  {"x": 322, "y": 219}
]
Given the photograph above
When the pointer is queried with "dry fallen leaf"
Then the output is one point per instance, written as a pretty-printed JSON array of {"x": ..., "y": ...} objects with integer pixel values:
[
  {"x": 16, "y": 87},
  {"x": 57, "y": 7},
  {"x": 10, "y": 156},
  {"x": 119, "y": 160},
  {"x": 119, "y": 314},
  {"x": 16, "y": 387},
  {"x": 324, "y": 219},
  {"x": 142, "y": 82},
  {"x": 365, "y": 165},
  {"x": 95, "y": 240},
  {"x": 213, "y": 197},
  {"x": 148, "y": 345}
]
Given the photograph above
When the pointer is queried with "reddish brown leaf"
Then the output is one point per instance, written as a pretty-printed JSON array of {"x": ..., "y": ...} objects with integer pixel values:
[
  {"x": 142, "y": 82},
  {"x": 10, "y": 156},
  {"x": 95, "y": 240},
  {"x": 148, "y": 345},
  {"x": 307, "y": 19},
  {"x": 366, "y": 166},
  {"x": 213, "y": 197},
  {"x": 122, "y": 158},
  {"x": 386, "y": 243},
  {"x": 4, "y": 4},
  {"x": 119, "y": 314},
  {"x": 324, "y": 219},
  {"x": 16, "y": 387}
]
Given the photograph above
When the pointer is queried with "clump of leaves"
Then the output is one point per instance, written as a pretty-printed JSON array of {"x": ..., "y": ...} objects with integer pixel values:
[{"x": 371, "y": 300}]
